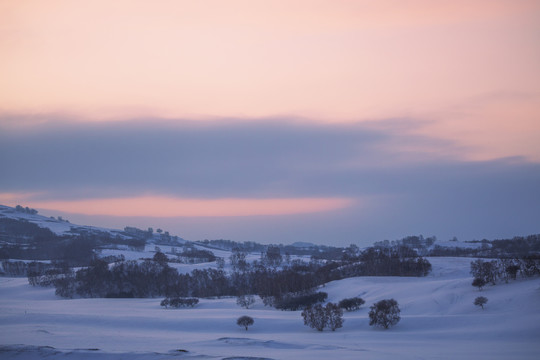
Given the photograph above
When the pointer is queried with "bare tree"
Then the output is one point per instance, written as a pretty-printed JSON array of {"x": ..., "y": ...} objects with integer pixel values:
[
  {"x": 480, "y": 301},
  {"x": 351, "y": 304},
  {"x": 315, "y": 317},
  {"x": 245, "y": 321},
  {"x": 334, "y": 316},
  {"x": 384, "y": 313},
  {"x": 245, "y": 301},
  {"x": 319, "y": 317},
  {"x": 479, "y": 283}
]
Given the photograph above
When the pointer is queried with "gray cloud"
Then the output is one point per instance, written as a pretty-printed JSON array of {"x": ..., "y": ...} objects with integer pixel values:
[
  {"x": 269, "y": 158},
  {"x": 407, "y": 192}
]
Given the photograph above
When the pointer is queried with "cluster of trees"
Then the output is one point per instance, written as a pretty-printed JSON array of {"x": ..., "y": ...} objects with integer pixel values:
[
  {"x": 274, "y": 285},
  {"x": 22, "y": 268},
  {"x": 192, "y": 255},
  {"x": 246, "y": 246},
  {"x": 517, "y": 247},
  {"x": 123, "y": 279},
  {"x": 14, "y": 268},
  {"x": 319, "y": 317},
  {"x": 490, "y": 271},
  {"x": 443, "y": 251},
  {"x": 139, "y": 233},
  {"x": 26, "y": 210},
  {"x": 47, "y": 275},
  {"x": 387, "y": 261},
  {"x": 238, "y": 260},
  {"x": 288, "y": 287},
  {"x": 317, "y": 251},
  {"x": 154, "y": 277},
  {"x": 272, "y": 256},
  {"x": 351, "y": 304},
  {"x": 149, "y": 278},
  {"x": 300, "y": 278},
  {"x": 418, "y": 243},
  {"x": 179, "y": 302},
  {"x": 384, "y": 313}
]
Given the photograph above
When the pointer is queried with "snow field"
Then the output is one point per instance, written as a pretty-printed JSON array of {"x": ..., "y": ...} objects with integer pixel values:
[{"x": 439, "y": 321}]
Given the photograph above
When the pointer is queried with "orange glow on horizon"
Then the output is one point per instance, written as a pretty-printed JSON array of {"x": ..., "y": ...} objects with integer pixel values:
[{"x": 155, "y": 206}]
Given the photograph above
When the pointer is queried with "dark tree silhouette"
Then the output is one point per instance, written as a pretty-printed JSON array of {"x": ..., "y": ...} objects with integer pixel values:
[
  {"x": 384, "y": 313},
  {"x": 485, "y": 270},
  {"x": 238, "y": 260},
  {"x": 351, "y": 304},
  {"x": 512, "y": 271},
  {"x": 319, "y": 317},
  {"x": 272, "y": 257},
  {"x": 245, "y": 321},
  {"x": 315, "y": 317},
  {"x": 334, "y": 316},
  {"x": 160, "y": 257},
  {"x": 179, "y": 302},
  {"x": 479, "y": 283},
  {"x": 480, "y": 301}
]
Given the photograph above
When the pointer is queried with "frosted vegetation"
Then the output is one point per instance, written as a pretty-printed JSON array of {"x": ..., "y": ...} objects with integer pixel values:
[{"x": 221, "y": 300}]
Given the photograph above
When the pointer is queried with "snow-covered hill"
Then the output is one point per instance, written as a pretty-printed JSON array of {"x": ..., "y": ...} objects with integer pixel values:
[
  {"x": 56, "y": 225},
  {"x": 439, "y": 321},
  {"x": 63, "y": 227}
]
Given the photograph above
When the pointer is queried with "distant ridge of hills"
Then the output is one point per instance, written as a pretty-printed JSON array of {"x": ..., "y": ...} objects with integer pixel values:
[{"x": 24, "y": 232}]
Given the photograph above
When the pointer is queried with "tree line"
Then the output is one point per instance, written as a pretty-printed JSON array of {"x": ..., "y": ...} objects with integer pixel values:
[
  {"x": 490, "y": 271},
  {"x": 517, "y": 247},
  {"x": 277, "y": 286}
]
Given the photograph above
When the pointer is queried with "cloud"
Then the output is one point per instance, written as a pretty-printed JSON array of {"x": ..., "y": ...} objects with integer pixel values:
[
  {"x": 400, "y": 183},
  {"x": 239, "y": 159},
  {"x": 272, "y": 158}
]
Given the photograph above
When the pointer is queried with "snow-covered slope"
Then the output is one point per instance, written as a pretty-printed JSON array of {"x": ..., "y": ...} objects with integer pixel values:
[
  {"x": 63, "y": 227},
  {"x": 439, "y": 321},
  {"x": 57, "y": 226}
]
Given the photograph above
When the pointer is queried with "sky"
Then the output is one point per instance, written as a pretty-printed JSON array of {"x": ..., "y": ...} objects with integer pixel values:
[{"x": 333, "y": 122}]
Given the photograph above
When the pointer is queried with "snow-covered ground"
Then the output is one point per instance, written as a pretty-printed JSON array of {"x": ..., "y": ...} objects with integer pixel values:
[
  {"x": 439, "y": 321},
  {"x": 57, "y": 226}
]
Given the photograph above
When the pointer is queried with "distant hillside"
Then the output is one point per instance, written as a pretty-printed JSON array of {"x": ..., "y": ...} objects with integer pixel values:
[
  {"x": 297, "y": 248},
  {"x": 24, "y": 234}
]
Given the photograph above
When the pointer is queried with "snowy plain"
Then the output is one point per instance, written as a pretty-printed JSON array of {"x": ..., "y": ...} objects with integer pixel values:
[{"x": 439, "y": 321}]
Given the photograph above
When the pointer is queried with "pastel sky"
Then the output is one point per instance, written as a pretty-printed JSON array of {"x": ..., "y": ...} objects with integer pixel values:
[{"x": 334, "y": 122}]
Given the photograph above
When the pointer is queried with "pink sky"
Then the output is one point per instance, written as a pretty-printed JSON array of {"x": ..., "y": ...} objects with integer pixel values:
[
  {"x": 466, "y": 71},
  {"x": 325, "y": 60},
  {"x": 156, "y": 206}
]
